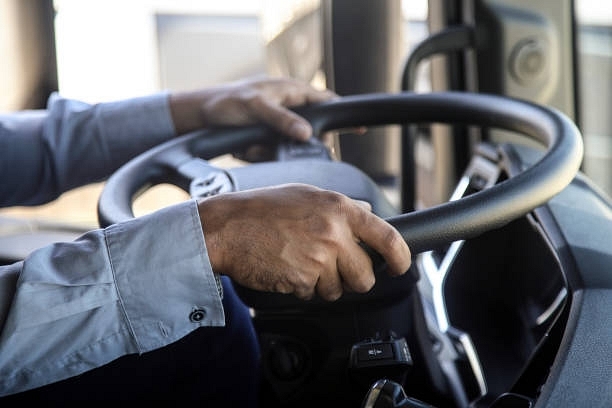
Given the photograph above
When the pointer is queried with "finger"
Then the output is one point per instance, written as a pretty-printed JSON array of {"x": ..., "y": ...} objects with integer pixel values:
[
  {"x": 329, "y": 285},
  {"x": 273, "y": 106},
  {"x": 302, "y": 93},
  {"x": 282, "y": 119},
  {"x": 317, "y": 96},
  {"x": 304, "y": 290},
  {"x": 355, "y": 266},
  {"x": 359, "y": 130},
  {"x": 384, "y": 239}
]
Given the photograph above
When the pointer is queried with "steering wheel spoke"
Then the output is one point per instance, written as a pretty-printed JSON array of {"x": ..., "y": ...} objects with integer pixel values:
[{"x": 206, "y": 180}]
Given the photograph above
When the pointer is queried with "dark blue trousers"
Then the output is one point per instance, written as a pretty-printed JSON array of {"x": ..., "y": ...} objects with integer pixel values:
[{"x": 213, "y": 366}]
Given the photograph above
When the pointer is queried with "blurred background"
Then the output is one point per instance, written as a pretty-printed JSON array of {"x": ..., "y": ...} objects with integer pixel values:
[{"x": 104, "y": 50}]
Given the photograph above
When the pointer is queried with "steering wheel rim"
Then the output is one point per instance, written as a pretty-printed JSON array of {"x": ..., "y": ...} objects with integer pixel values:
[{"x": 424, "y": 229}]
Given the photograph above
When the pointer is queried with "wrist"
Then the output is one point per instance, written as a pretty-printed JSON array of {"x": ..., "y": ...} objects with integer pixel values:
[
  {"x": 186, "y": 111},
  {"x": 212, "y": 216}
]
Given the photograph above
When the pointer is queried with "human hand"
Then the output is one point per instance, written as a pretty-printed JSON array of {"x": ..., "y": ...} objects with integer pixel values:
[
  {"x": 246, "y": 102},
  {"x": 298, "y": 239}
]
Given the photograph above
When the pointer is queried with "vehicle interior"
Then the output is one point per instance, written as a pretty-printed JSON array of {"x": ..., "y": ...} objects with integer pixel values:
[{"x": 488, "y": 146}]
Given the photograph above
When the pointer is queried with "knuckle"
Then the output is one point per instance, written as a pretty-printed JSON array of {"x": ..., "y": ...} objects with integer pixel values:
[
  {"x": 340, "y": 201},
  {"x": 335, "y": 206},
  {"x": 320, "y": 256}
]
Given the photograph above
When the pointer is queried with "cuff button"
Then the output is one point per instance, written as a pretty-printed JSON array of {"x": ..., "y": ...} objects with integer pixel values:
[{"x": 197, "y": 315}]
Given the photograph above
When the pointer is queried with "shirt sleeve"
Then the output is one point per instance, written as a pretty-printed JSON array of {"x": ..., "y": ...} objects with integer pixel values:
[
  {"x": 47, "y": 152},
  {"x": 130, "y": 288}
]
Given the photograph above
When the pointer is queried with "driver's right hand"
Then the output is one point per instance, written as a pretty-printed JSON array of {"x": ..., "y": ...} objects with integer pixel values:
[{"x": 298, "y": 239}]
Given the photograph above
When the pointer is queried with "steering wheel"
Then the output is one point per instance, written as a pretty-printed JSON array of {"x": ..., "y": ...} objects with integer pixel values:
[{"x": 182, "y": 162}]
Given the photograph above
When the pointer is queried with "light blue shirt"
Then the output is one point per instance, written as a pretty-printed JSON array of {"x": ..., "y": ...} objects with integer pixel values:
[{"x": 129, "y": 288}]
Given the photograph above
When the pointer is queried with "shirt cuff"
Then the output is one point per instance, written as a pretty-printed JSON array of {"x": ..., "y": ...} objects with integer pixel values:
[
  {"x": 163, "y": 275},
  {"x": 135, "y": 125}
]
